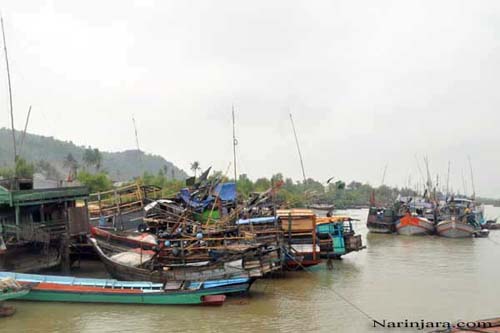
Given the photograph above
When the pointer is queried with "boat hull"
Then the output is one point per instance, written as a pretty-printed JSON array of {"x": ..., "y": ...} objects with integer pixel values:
[
  {"x": 413, "y": 226},
  {"x": 85, "y": 295},
  {"x": 455, "y": 229}
]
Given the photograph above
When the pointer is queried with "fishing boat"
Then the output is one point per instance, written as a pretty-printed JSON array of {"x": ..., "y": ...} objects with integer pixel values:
[
  {"x": 70, "y": 289},
  {"x": 381, "y": 220},
  {"x": 418, "y": 216},
  {"x": 10, "y": 289},
  {"x": 458, "y": 220},
  {"x": 336, "y": 236},
  {"x": 128, "y": 265},
  {"x": 412, "y": 224}
]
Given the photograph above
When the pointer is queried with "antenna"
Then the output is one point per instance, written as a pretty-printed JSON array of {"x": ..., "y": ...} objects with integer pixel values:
[
  {"x": 24, "y": 132},
  {"x": 10, "y": 96},
  {"x": 472, "y": 178},
  {"x": 298, "y": 149},
  {"x": 383, "y": 175},
  {"x": 235, "y": 143}
]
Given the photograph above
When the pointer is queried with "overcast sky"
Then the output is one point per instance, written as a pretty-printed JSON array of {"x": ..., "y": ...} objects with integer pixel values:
[{"x": 369, "y": 83}]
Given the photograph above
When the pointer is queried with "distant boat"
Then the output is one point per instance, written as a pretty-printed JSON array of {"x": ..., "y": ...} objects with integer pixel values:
[
  {"x": 70, "y": 289},
  {"x": 418, "y": 218},
  {"x": 458, "y": 219},
  {"x": 411, "y": 224},
  {"x": 381, "y": 220}
]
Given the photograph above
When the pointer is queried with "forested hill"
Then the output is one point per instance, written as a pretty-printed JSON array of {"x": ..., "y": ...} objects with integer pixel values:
[{"x": 120, "y": 166}]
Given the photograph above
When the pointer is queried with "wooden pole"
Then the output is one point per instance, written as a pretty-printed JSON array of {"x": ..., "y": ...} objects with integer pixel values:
[
  {"x": 298, "y": 149},
  {"x": 10, "y": 96},
  {"x": 24, "y": 132},
  {"x": 235, "y": 142}
]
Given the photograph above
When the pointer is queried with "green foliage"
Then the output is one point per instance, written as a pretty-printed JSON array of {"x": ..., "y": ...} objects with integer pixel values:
[
  {"x": 169, "y": 186},
  {"x": 23, "y": 169},
  {"x": 95, "y": 182}
]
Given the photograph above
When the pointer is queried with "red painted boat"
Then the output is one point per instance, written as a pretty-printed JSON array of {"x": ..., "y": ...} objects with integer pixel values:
[{"x": 411, "y": 224}]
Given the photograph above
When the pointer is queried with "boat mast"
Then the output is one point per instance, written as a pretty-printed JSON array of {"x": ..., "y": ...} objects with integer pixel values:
[
  {"x": 10, "y": 96},
  {"x": 235, "y": 143},
  {"x": 448, "y": 180},
  {"x": 25, "y": 129},
  {"x": 472, "y": 178},
  {"x": 298, "y": 149},
  {"x": 383, "y": 175},
  {"x": 139, "y": 158}
]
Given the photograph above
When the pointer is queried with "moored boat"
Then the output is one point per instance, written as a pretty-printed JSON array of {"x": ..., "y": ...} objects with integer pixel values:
[
  {"x": 458, "y": 219},
  {"x": 381, "y": 220},
  {"x": 128, "y": 265},
  {"x": 411, "y": 224},
  {"x": 71, "y": 289},
  {"x": 454, "y": 228}
]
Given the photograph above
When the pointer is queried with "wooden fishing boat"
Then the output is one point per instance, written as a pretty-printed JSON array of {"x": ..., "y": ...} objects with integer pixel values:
[
  {"x": 186, "y": 251},
  {"x": 381, "y": 220},
  {"x": 336, "y": 236},
  {"x": 455, "y": 228},
  {"x": 411, "y": 224},
  {"x": 458, "y": 219},
  {"x": 122, "y": 264},
  {"x": 70, "y": 289}
]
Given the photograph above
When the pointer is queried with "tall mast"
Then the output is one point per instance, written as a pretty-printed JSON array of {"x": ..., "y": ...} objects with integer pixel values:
[
  {"x": 24, "y": 132},
  {"x": 448, "y": 180},
  {"x": 298, "y": 149},
  {"x": 139, "y": 158},
  {"x": 383, "y": 175},
  {"x": 472, "y": 178},
  {"x": 10, "y": 96},
  {"x": 463, "y": 183},
  {"x": 235, "y": 142}
]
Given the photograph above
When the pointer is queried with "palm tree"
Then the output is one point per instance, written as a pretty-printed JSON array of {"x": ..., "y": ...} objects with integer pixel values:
[{"x": 195, "y": 166}]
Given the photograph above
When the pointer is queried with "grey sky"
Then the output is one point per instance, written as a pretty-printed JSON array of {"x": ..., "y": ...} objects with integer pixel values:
[{"x": 368, "y": 82}]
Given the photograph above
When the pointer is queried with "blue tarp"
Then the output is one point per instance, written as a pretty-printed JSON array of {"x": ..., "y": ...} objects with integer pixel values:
[{"x": 226, "y": 191}]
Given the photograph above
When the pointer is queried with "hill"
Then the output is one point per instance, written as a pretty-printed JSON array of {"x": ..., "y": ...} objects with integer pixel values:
[{"x": 49, "y": 154}]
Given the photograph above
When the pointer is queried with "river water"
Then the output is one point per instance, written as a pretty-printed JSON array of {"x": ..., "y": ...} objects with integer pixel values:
[{"x": 395, "y": 278}]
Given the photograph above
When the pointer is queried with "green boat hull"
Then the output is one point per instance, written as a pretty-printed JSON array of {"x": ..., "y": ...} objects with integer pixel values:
[{"x": 177, "y": 298}]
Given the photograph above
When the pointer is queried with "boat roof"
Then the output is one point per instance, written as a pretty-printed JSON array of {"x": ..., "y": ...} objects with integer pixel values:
[
  {"x": 74, "y": 281},
  {"x": 40, "y": 196}
]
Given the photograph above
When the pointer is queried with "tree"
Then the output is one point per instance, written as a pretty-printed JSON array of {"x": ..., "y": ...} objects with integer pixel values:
[
  {"x": 195, "y": 166},
  {"x": 23, "y": 169},
  {"x": 71, "y": 163},
  {"x": 95, "y": 182},
  {"x": 92, "y": 157}
]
